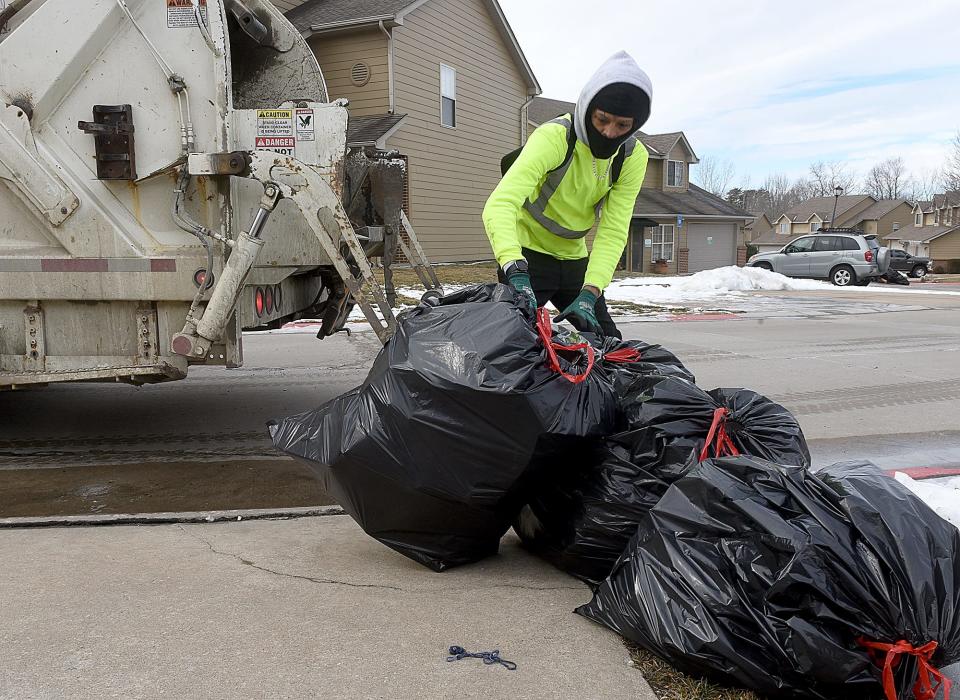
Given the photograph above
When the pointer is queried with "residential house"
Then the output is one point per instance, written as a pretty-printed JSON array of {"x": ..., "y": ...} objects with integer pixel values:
[
  {"x": 445, "y": 83},
  {"x": 673, "y": 220},
  {"x": 883, "y": 217},
  {"x": 760, "y": 225},
  {"x": 817, "y": 212},
  {"x": 934, "y": 232}
]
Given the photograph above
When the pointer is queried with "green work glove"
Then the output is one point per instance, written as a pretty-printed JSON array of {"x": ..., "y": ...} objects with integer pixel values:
[
  {"x": 582, "y": 313},
  {"x": 521, "y": 282}
]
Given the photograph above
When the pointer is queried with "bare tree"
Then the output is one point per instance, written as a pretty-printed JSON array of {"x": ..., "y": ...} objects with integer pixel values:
[
  {"x": 926, "y": 184},
  {"x": 888, "y": 179},
  {"x": 951, "y": 170},
  {"x": 714, "y": 175},
  {"x": 781, "y": 193},
  {"x": 825, "y": 176}
]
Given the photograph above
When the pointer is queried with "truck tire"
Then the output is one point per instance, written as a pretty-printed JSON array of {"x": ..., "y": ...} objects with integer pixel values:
[
  {"x": 918, "y": 271},
  {"x": 843, "y": 276}
]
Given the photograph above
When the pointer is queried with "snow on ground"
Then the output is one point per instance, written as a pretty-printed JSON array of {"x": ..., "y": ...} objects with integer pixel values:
[
  {"x": 942, "y": 495},
  {"x": 707, "y": 286}
]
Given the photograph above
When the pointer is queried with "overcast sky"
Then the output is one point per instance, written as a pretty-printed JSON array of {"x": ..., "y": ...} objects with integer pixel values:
[{"x": 770, "y": 85}]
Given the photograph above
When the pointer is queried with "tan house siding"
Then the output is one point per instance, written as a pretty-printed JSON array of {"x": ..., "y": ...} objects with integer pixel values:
[
  {"x": 869, "y": 226},
  {"x": 851, "y": 213},
  {"x": 453, "y": 171},
  {"x": 903, "y": 215},
  {"x": 338, "y": 53},
  {"x": 653, "y": 178},
  {"x": 946, "y": 247}
]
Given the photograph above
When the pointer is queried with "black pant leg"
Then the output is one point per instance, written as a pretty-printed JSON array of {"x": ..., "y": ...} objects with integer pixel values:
[
  {"x": 606, "y": 322},
  {"x": 572, "y": 282},
  {"x": 545, "y": 275}
]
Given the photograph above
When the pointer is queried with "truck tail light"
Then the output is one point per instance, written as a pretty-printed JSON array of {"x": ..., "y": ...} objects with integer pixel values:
[
  {"x": 868, "y": 255},
  {"x": 258, "y": 301},
  {"x": 268, "y": 299}
]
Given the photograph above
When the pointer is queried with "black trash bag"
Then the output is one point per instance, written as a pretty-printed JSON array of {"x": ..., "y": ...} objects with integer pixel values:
[
  {"x": 433, "y": 453},
  {"x": 892, "y": 276},
  {"x": 641, "y": 362},
  {"x": 581, "y": 518},
  {"x": 778, "y": 579}
]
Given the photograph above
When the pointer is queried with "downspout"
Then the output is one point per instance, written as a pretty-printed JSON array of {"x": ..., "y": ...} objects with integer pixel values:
[
  {"x": 389, "y": 36},
  {"x": 523, "y": 118}
]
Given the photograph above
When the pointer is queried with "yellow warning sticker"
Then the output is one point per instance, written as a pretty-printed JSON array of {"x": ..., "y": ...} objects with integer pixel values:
[{"x": 274, "y": 122}]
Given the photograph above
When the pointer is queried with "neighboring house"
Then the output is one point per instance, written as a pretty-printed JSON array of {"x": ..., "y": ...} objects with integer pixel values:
[
  {"x": 883, "y": 218},
  {"x": 934, "y": 231},
  {"x": 772, "y": 241},
  {"x": 445, "y": 83},
  {"x": 815, "y": 213},
  {"x": 673, "y": 219},
  {"x": 761, "y": 225}
]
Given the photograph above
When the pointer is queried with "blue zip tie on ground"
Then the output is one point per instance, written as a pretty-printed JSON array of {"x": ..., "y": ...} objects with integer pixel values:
[{"x": 489, "y": 657}]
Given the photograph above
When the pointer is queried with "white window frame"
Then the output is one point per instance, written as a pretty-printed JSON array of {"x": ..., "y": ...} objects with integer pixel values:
[
  {"x": 784, "y": 227},
  {"x": 918, "y": 219},
  {"x": 453, "y": 98},
  {"x": 678, "y": 170},
  {"x": 818, "y": 224},
  {"x": 659, "y": 240}
]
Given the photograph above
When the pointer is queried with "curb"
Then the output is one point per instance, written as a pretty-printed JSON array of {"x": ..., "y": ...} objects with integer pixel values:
[{"x": 212, "y": 516}]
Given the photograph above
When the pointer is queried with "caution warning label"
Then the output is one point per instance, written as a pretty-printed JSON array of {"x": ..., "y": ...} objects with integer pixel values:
[
  {"x": 180, "y": 14},
  {"x": 284, "y": 145},
  {"x": 274, "y": 122}
]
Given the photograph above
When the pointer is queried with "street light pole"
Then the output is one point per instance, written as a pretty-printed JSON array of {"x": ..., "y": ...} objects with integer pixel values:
[{"x": 837, "y": 191}]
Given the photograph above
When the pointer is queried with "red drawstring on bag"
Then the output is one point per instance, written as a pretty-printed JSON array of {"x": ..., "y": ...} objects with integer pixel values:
[
  {"x": 623, "y": 355},
  {"x": 545, "y": 330},
  {"x": 717, "y": 438},
  {"x": 923, "y": 689}
]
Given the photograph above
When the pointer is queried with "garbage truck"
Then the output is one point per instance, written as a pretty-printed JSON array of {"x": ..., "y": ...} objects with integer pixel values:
[{"x": 173, "y": 172}]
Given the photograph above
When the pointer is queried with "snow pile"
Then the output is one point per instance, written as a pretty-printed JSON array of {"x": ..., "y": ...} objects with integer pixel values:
[
  {"x": 705, "y": 286},
  {"x": 942, "y": 495}
]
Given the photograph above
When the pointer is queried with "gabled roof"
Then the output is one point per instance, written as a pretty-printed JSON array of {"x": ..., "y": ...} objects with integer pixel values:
[
  {"x": 543, "y": 109},
  {"x": 925, "y": 206},
  {"x": 369, "y": 130},
  {"x": 922, "y": 234},
  {"x": 660, "y": 145},
  {"x": 760, "y": 221},
  {"x": 879, "y": 210},
  {"x": 694, "y": 202},
  {"x": 771, "y": 237},
  {"x": 823, "y": 207},
  {"x": 947, "y": 199},
  {"x": 316, "y": 16}
]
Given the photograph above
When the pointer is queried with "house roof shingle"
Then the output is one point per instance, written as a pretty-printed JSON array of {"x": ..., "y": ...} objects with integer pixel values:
[
  {"x": 322, "y": 12},
  {"x": 771, "y": 237},
  {"x": 366, "y": 130},
  {"x": 543, "y": 109},
  {"x": 926, "y": 205},
  {"x": 823, "y": 207},
  {"x": 878, "y": 210},
  {"x": 694, "y": 202},
  {"x": 922, "y": 234}
]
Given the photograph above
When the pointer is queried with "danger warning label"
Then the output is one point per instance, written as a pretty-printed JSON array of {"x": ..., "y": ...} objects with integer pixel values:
[
  {"x": 274, "y": 122},
  {"x": 304, "y": 125},
  {"x": 284, "y": 145},
  {"x": 180, "y": 13}
]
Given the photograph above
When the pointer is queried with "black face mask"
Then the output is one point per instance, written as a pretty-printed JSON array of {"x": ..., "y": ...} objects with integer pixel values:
[{"x": 601, "y": 146}]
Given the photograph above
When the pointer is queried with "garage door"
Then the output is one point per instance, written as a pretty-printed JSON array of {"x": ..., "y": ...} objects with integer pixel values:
[{"x": 711, "y": 245}]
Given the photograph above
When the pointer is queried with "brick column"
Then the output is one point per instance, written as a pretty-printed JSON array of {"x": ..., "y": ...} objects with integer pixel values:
[
  {"x": 683, "y": 259},
  {"x": 741, "y": 256}
]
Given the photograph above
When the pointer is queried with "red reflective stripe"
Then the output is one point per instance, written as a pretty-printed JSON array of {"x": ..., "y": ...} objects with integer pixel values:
[
  {"x": 717, "y": 438},
  {"x": 925, "y": 472},
  {"x": 545, "y": 330},
  {"x": 163, "y": 265},
  {"x": 929, "y": 679},
  {"x": 624, "y": 355}
]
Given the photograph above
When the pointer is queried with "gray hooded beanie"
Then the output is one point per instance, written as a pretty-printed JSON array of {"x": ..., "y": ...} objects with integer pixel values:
[{"x": 622, "y": 83}]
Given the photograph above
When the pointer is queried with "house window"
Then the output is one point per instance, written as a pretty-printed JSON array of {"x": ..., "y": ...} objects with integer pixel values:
[
  {"x": 662, "y": 243},
  {"x": 936, "y": 217},
  {"x": 896, "y": 225},
  {"x": 918, "y": 219},
  {"x": 674, "y": 173},
  {"x": 814, "y": 226},
  {"x": 448, "y": 96},
  {"x": 784, "y": 228}
]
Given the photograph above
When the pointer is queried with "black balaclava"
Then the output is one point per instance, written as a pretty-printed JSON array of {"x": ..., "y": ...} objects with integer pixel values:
[{"x": 623, "y": 100}]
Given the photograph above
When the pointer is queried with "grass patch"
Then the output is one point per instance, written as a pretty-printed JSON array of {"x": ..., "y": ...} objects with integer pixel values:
[
  {"x": 670, "y": 684},
  {"x": 629, "y": 307}
]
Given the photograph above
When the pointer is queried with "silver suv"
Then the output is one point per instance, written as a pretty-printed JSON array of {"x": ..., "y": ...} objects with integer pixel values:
[{"x": 843, "y": 256}]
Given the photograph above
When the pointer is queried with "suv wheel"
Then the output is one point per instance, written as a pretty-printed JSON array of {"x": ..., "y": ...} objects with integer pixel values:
[
  {"x": 764, "y": 266},
  {"x": 919, "y": 271},
  {"x": 843, "y": 276}
]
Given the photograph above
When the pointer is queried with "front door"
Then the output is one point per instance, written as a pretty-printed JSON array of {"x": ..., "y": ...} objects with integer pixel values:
[{"x": 795, "y": 262}]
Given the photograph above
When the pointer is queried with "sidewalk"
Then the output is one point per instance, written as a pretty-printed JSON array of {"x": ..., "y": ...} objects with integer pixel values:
[{"x": 294, "y": 608}]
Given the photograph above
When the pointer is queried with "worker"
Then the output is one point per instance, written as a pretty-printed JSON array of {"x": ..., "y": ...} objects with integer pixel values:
[{"x": 571, "y": 167}]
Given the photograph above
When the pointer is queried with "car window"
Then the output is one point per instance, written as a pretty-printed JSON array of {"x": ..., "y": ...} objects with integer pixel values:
[
  {"x": 898, "y": 254},
  {"x": 827, "y": 243},
  {"x": 802, "y": 245},
  {"x": 849, "y": 244}
]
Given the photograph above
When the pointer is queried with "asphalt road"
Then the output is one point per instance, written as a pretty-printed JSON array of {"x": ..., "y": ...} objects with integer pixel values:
[{"x": 865, "y": 378}]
